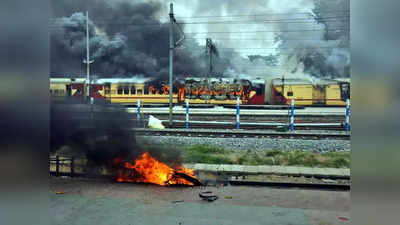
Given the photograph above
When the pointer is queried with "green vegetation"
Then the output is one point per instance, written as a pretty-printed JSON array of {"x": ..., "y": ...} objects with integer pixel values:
[
  {"x": 206, "y": 154},
  {"x": 218, "y": 155}
]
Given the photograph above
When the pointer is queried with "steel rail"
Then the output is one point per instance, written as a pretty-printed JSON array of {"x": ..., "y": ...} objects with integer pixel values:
[{"x": 239, "y": 133}]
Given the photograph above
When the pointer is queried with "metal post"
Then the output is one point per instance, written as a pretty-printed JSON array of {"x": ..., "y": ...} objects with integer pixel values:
[
  {"x": 171, "y": 57},
  {"x": 138, "y": 113},
  {"x": 57, "y": 165},
  {"x": 209, "y": 46},
  {"x": 292, "y": 116},
  {"x": 187, "y": 113},
  {"x": 238, "y": 113},
  {"x": 348, "y": 115},
  {"x": 72, "y": 166},
  {"x": 211, "y": 68},
  {"x": 283, "y": 90},
  {"x": 87, "y": 58},
  {"x": 91, "y": 109}
]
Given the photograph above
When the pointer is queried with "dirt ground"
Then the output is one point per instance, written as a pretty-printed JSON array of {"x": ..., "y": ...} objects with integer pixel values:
[{"x": 83, "y": 201}]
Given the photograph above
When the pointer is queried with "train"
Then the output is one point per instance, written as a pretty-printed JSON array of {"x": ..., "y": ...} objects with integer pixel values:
[{"x": 218, "y": 91}]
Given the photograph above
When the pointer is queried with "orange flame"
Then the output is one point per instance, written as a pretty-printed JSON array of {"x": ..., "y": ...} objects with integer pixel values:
[
  {"x": 147, "y": 169},
  {"x": 165, "y": 89}
]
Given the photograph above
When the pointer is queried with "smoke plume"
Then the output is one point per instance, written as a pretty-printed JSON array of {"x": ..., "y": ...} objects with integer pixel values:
[
  {"x": 127, "y": 40},
  {"x": 99, "y": 134},
  {"x": 306, "y": 38},
  {"x": 320, "y": 48}
]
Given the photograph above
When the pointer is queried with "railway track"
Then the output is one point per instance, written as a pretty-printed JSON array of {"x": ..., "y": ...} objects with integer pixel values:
[
  {"x": 213, "y": 133},
  {"x": 204, "y": 119},
  {"x": 255, "y": 125}
]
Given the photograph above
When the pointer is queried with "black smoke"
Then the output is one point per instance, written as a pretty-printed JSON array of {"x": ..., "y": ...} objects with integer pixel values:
[
  {"x": 127, "y": 39},
  {"x": 100, "y": 133}
]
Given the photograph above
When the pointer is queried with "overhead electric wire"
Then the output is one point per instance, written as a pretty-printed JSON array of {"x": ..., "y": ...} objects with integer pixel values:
[
  {"x": 323, "y": 47},
  {"x": 262, "y": 31},
  {"x": 53, "y": 21},
  {"x": 210, "y": 22},
  {"x": 338, "y": 12},
  {"x": 256, "y": 39},
  {"x": 267, "y": 14}
]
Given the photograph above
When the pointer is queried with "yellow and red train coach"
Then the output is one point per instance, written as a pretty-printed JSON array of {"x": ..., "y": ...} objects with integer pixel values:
[
  {"x": 308, "y": 93},
  {"x": 207, "y": 91},
  {"x": 119, "y": 90}
]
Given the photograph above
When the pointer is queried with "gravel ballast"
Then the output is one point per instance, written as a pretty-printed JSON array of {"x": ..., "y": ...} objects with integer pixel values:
[{"x": 325, "y": 145}]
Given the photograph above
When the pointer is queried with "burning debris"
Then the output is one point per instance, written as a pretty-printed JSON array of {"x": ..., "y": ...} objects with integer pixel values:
[
  {"x": 108, "y": 146},
  {"x": 147, "y": 169}
]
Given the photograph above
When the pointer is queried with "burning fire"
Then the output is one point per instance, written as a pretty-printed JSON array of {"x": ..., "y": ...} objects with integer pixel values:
[{"x": 147, "y": 169}]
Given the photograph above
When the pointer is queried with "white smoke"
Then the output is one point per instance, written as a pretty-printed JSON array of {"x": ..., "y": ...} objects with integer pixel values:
[{"x": 300, "y": 41}]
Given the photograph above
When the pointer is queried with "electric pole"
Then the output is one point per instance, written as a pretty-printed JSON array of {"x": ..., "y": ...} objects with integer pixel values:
[
  {"x": 87, "y": 58},
  {"x": 210, "y": 50},
  {"x": 172, "y": 45},
  {"x": 209, "y": 47},
  {"x": 171, "y": 57}
]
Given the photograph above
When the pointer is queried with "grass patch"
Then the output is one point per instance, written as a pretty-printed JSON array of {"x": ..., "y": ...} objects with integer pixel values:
[
  {"x": 206, "y": 154},
  {"x": 209, "y": 159},
  {"x": 206, "y": 149},
  {"x": 217, "y": 155},
  {"x": 272, "y": 153}
]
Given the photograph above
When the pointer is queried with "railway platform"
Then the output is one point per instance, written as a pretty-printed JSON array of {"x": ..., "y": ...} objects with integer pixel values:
[{"x": 338, "y": 173}]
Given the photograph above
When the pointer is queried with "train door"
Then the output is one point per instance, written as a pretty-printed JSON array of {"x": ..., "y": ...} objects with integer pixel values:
[
  {"x": 107, "y": 91},
  {"x": 319, "y": 95},
  {"x": 268, "y": 93},
  {"x": 259, "y": 95},
  {"x": 344, "y": 91},
  {"x": 69, "y": 92}
]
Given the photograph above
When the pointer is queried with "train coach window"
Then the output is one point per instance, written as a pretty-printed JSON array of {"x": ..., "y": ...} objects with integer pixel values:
[
  {"x": 133, "y": 90},
  {"x": 290, "y": 93},
  {"x": 126, "y": 90},
  {"x": 58, "y": 92},
  {"x": 119, "y": 91},
  {"x": 107, "y": 91}
]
